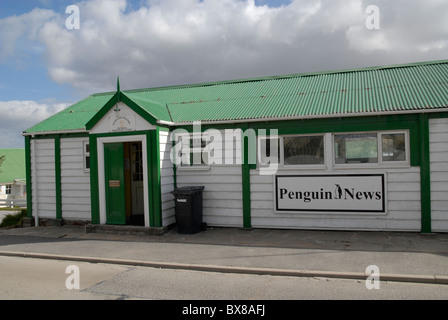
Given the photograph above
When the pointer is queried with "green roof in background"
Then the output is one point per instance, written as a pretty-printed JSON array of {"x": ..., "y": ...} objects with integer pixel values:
[
  {"x": 417, "y": 86},
  {"x": 13, "y": 166}
]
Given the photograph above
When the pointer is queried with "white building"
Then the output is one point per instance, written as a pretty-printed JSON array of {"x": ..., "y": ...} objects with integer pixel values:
[{"x": 362, "y": 149}]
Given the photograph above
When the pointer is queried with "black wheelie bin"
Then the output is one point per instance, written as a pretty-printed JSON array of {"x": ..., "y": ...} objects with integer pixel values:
[{"x": 189, "y": 209}]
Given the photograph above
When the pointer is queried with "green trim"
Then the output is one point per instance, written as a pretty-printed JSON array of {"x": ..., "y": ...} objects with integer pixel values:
[
  {"x": 154, "y": 178},
  {"x": 120, "y": 134},
  {"x": 245, "y": 171},
  {"x": 29, "y": 188},
  {"x": 425, "y": 174},
  {"x": 120, "y": 97},
  {"x": 102, "y": 112},
  {"x": 57, "y": 169},
  {"x": 164, "y": 129},
  {"x": 174, "y": 172},
  {"x": 438, "y": 115},
  {"x": 149, "y": 178},
  {"x": 94, "y": 186}
]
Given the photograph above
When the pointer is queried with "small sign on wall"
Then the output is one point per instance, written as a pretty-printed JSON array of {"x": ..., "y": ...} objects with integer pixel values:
[
  {"x": 114, "y": 183},
  {"x": 363, "y": 193},
  {"x": 122, "y": 123}
]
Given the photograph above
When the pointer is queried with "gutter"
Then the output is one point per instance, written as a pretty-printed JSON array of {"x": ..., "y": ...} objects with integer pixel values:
[{"x": 44, "y": 133}]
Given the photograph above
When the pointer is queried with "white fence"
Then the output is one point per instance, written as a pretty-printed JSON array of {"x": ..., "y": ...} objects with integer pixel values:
[{"x": 11, "y": 203}]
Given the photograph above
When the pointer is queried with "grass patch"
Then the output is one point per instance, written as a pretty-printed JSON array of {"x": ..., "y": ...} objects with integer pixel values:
[
  {"x": 10, "y": 209},
  {"x": 13, "y": 220}
]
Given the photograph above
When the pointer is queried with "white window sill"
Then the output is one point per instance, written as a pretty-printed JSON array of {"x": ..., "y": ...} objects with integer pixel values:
[{"x": 193, "y": 168}]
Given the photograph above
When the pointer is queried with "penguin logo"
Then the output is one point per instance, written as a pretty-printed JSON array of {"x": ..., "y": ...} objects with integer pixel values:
[{"x": 338, "y": 192}]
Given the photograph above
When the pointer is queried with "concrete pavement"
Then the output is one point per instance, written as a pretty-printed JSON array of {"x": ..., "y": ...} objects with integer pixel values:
[{"x": 408, "y": 257}]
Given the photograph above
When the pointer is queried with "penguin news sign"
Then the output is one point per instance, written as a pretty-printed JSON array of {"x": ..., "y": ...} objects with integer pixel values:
[{"x": 363, "y": 193}]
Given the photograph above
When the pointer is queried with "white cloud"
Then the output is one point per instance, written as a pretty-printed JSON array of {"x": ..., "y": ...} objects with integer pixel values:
[
  {"x": 167, "y": 42},
  {"x": 19, "y": 33},
  {"x": 17, "y": 116},
  {"x": 181, "y": 41}
]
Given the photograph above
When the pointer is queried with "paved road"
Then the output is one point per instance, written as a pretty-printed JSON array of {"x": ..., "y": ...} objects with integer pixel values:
[{"x": 25, "y": 278}]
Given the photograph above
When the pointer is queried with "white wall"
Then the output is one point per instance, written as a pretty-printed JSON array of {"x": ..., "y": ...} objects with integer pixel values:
[
  {"x": 222, "y": 196},
  {"x": 75, "y": 181},
  {"x": 403, "y": 204},
  {"x": 43, "y": 178},
  {"x": 223, "y": 199},
  {"x": 167, "y": 179},
  {"x": 438, "y": 144}
]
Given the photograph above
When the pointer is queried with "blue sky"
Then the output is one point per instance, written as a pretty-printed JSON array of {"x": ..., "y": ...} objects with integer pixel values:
[{"x": 44, "y": 67}]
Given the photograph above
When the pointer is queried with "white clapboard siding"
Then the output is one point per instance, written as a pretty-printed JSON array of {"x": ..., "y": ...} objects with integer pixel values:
[
  {"x": 43, "y": 178},
  {"x": 75, "y": 181},
  {"x": 403, "y": 205},
  {"x": 222, "y": 196},
  {"x": 167, "y": 179},
  {"x": 438, "y": 144}
]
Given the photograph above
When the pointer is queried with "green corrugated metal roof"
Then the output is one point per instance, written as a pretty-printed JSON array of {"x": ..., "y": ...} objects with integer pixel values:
[
  {"x": 13, "y": 166},
  {"x": 417, "y": 86},
  {"x": 74, "y": 117}
]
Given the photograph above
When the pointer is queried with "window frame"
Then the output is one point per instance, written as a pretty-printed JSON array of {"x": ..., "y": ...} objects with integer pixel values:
[
  {"x": 302, "y": 166},
  {"x": 281, "y": 164},
  {"x": 85, "y": 155},
  {"x": 381, "y": 163},
  {"x": 406, "y": 146},
  {"x": 329, "y": 151},
  {"x": 192, "y": 166}
]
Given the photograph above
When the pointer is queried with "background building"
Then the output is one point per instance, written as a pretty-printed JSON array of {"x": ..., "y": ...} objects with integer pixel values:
[{"x": 12, "y": 178}]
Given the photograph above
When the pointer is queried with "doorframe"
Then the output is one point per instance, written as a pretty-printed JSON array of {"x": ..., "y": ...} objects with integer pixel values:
[{"x": 101, "y": 173}]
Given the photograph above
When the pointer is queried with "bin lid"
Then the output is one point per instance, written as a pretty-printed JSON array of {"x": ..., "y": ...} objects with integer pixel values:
[{"x": 188, "y": 190}]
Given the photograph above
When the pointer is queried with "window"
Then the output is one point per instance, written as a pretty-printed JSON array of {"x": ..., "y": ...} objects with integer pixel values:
[
  {"x": 137, "y": 161},
  {"x": 367, "y": 148},
  {"x": 356, "y": 148},
  {"x": 86, "y": 148},
  {"x": 393, "y": 147},
  {"x": 303, "y": 150},
  {"x": 9, "y": 189},
  {"x": 194, "y": 147}
]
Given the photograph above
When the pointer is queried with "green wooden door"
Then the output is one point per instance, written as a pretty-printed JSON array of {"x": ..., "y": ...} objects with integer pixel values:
[{"x": 115, "y": 185}]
